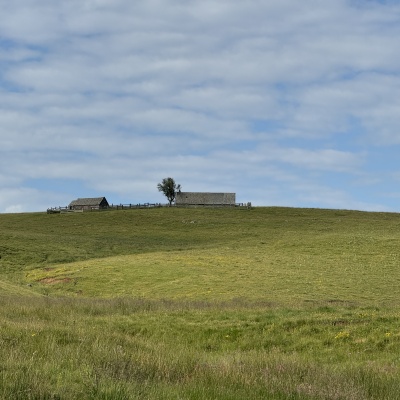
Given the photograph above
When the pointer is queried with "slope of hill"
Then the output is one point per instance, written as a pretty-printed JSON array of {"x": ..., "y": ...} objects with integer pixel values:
[
  {"x": 277, "y": 254},
  {"x": 7, "y": 288}
]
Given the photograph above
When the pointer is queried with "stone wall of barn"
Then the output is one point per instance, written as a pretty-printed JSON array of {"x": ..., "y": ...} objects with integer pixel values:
[{"x": 204, "y": 198}]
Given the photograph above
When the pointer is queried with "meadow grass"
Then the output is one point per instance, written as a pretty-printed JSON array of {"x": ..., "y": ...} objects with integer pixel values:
[
  {"x": 126, "y": 348},
  {"x": 268, "y": 303}
]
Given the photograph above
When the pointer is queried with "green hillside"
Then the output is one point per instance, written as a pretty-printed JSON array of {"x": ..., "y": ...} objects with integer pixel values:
[
  {"x": 281, "y": 255},
  {"x": 168, "y": 303}
]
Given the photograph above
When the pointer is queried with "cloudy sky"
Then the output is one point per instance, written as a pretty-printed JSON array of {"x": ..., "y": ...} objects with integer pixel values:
[{"x": 285, "y": 102}]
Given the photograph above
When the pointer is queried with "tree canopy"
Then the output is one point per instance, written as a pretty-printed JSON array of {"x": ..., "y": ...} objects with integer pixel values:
[{"x": 169, "y": 188}]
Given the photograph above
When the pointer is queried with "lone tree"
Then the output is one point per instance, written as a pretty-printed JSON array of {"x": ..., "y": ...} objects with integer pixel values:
[{"x": 169, "y": 189}]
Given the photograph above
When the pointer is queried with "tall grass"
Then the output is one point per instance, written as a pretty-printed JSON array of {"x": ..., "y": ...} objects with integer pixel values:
[{"x": 125, "y": 348}]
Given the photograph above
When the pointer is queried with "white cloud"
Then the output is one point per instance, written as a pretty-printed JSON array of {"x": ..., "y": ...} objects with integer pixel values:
[{"x": 18, "y": 199}]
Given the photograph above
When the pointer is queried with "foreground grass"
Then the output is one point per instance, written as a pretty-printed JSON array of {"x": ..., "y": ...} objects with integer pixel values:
[
  {"x": 269, "y": 303},
  {"x": 128, "y": 349}
]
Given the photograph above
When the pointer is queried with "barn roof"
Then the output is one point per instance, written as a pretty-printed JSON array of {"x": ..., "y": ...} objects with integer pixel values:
[{"x": 87, "y": 201}]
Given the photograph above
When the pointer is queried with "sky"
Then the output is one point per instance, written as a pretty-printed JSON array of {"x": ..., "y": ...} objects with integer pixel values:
[{"x": 283, "y": 102}]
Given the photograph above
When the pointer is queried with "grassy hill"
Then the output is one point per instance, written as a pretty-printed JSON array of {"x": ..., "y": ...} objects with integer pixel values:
[
  {"x": 277, "y": 254},
  {"x": 200, "y": 303}
]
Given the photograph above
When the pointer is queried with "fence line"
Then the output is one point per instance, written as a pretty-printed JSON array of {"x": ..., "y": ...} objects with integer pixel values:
[
  {"x": 129, "y": 206},
  {"x": 58, "y": 210},
  {"x": 248, "y": 205}
]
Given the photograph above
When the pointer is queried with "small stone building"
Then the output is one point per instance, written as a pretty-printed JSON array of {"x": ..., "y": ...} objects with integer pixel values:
[
  {"x": 205, "y": 199},
  {"x": 93, "y": 203}
]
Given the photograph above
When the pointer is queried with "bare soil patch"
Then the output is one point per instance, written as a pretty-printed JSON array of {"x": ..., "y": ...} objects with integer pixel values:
[{"x": 53, "y": 281}]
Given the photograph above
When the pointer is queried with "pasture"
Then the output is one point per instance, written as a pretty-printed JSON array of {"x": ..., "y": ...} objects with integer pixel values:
[{"x": 177, "y": 303}]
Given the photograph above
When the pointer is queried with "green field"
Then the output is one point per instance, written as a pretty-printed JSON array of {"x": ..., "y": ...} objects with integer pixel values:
[{"x": 175, "y": 303}]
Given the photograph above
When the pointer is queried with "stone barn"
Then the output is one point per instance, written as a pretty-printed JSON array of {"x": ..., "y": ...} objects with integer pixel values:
[
  {"x": 93, "y": 203},
  {"x": 205, "y": 199}
]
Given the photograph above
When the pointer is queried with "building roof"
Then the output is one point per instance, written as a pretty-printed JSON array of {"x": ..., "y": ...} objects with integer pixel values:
[{"x": 88, "y": 201}]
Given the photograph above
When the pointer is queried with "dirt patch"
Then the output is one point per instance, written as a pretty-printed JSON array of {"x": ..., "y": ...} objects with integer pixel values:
[{"x": 53, "y": 281}]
